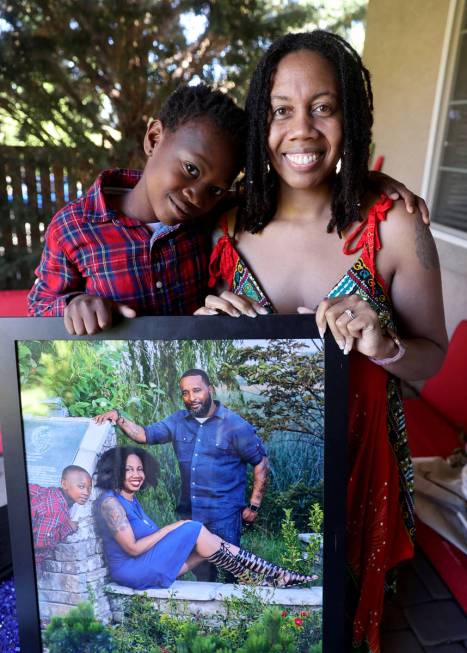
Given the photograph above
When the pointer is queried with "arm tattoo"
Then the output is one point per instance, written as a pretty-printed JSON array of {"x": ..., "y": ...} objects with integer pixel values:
[
  {"x": 260, "y": 480},
  {"x": 425, "y": 246},
  {"x": 114, "y": 515},
  {"x": 134, "y": 431}
]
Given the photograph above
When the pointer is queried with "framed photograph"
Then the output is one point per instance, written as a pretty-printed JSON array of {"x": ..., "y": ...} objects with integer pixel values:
[{"x": 176, "y": 478}]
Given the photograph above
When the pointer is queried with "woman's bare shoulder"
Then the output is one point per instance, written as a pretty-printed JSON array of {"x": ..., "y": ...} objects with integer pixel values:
[{"x": 404, "y": 234}]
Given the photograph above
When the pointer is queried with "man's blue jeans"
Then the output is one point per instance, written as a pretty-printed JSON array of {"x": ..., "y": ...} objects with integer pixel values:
[{"x": 230, "y": 530}]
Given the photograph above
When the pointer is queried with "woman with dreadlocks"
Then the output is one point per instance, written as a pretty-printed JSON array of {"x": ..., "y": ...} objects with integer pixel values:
[{"x": 311, "y": 228}]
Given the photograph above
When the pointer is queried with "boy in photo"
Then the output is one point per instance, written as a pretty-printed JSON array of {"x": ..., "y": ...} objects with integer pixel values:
[{"x": 50, "y": 509}]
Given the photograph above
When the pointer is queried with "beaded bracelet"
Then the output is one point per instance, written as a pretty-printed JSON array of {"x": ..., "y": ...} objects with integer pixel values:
[{"x": 392, "y": 359}]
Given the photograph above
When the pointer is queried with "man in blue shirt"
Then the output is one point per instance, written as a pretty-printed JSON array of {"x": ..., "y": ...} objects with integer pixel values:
[{"x": 213, "y": 446}]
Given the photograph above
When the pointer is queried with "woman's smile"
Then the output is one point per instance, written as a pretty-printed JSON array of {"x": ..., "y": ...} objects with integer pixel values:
[
  {"x": 134, "y": 475},
  {"x": 303, "y": 161}
]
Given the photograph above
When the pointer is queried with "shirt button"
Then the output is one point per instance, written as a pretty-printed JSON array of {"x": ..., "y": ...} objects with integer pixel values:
[
  {"x": 193, "y": 481},
  {"x": 193, "y": 468},
  {"x": 196, "y": 454},
  {"x": 158, "y": 284},
  {"x": 199, "y": 440}
]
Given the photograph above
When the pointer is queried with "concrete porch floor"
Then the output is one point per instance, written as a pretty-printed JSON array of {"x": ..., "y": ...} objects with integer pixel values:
[{"x": 423, "y": 617}]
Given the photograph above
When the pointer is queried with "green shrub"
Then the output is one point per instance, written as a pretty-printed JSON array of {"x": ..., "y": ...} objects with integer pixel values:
[
  {"x": 268, "y": 635},
  {"x": 316, "y": 648},
  {"x": 293, "y": 557},
  {"x": 298, "y": 497},
  {"x": 190, "y": 641},
  {"x": 78, "y": 632},
  {"x": 141, "y": 630}
]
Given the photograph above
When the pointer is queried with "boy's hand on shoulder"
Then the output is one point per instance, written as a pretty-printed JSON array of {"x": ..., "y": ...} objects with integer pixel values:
[
  {"x": 88, "y": 314},
  {"x": 382, "y": 183}
]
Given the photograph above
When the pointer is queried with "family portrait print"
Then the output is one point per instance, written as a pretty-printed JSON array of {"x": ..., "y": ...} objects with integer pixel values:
[{"x": 177, "y": 484}]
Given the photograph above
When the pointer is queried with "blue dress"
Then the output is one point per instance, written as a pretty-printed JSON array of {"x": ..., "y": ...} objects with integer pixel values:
[{"x": 160, "y": 565}]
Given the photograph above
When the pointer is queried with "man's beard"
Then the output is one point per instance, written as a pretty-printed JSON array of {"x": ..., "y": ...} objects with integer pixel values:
[{"x": 201, "y": 410}]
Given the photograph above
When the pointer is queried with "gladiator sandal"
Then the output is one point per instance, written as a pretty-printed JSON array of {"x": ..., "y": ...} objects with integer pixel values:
[{"x": 246, "y": 564}]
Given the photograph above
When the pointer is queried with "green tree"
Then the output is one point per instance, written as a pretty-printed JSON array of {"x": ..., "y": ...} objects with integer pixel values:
[
  {"x": 78, "y": 632},
  {"x": 291, "y": 381},
  {"x": 90, "y": 74}
]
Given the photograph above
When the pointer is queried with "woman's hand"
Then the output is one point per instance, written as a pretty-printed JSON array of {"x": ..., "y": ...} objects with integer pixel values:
[
  {"x": 354, "y": 325},
  {"x": 396, "y": 189},
  {"x": 231, "y": 304}
]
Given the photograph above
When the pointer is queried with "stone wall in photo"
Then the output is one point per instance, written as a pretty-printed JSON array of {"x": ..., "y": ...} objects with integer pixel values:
[{"x": 75, "y": 570}]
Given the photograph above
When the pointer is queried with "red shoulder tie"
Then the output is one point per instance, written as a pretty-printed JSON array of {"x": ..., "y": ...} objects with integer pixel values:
[
  {"x": 223, "y": 259},
  {"x": 368, "y": 234}
]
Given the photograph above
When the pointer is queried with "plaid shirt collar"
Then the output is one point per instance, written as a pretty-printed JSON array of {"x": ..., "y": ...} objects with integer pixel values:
[{"x": 95, "y": 207}]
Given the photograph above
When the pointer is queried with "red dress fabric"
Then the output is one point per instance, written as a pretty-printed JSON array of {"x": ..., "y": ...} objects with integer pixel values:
[{"x": 380, "y": 519}]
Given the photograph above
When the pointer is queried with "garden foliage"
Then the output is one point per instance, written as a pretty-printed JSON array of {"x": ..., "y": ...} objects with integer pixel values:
[
  {"x": 252, "y": 626},
  {"x": 141, "y": 379},
  {"x": 78, "y": 632}
]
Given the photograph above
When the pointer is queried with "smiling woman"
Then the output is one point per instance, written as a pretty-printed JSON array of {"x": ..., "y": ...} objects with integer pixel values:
[
  {"x": 303, "y": 162},
  {"x": 140, "y": 554},
  {"x": 307, "y": 187}
]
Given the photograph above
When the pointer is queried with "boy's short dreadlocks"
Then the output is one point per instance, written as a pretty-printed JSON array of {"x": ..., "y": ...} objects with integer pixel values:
[
  {"x": 356, "y": 104},
  {"x": 192, "y": 102}
]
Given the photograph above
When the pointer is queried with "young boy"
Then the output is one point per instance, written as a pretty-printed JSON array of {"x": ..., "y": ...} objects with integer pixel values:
[
  {"x": 50, "y": 508},
  {"x": 133, "y": 244}
]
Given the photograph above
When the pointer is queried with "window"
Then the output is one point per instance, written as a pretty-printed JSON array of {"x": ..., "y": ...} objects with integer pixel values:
[{"x": 450, "y": 197}]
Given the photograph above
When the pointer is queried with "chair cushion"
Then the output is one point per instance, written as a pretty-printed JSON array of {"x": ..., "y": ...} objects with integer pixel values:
[
  {"x": 428, "y": 432},
  {"x": 13, "y": 303},
  {"x": 447, "y": 390}
]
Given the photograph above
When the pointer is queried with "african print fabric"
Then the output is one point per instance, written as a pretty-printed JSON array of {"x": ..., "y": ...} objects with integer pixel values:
[{"x": 380, "y": 513}]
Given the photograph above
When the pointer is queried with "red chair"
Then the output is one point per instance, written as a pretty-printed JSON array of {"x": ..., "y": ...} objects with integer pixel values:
[
  {"x": 436, "y": 424},
  {"x": 12, "y": 304}
]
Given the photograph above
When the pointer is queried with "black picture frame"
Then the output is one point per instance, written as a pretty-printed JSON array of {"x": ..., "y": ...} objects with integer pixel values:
[{"x": 13, "y": 330}]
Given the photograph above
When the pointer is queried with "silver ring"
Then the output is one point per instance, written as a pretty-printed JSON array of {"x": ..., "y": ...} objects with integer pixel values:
[{"x": 350, "y": 314}]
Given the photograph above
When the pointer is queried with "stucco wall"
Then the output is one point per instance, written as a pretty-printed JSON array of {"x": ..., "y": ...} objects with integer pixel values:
[
  {"x": 403, "y": 47},
  {"x": 403, "y": 51}
]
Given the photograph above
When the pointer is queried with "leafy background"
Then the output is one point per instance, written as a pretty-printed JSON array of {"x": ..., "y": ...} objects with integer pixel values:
[{"x": 277, "y": 385}]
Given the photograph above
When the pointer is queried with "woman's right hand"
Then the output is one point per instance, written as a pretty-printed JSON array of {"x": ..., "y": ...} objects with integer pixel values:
[{"x": 231, "y": 304}]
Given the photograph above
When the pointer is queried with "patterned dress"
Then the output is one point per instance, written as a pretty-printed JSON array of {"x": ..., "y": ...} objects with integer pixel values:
[{"x": 380, "y": 516}]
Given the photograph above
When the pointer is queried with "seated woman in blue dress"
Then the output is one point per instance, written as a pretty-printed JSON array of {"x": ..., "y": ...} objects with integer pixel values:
[{"x": 141, "y": 555}]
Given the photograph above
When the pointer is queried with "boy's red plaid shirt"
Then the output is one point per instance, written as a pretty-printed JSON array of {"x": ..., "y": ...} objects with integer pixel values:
[{"x": 91, "y": 248}]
